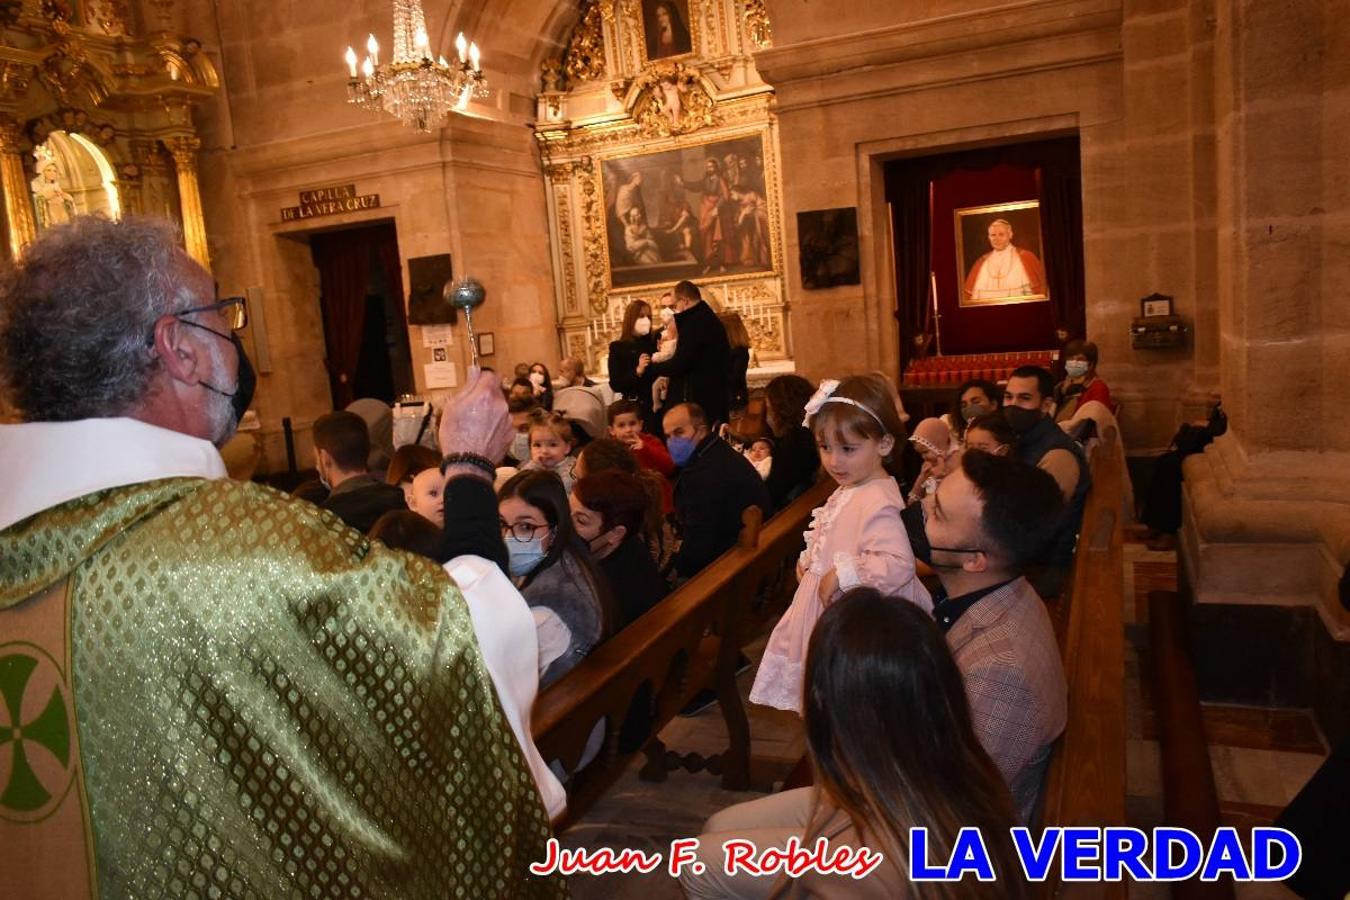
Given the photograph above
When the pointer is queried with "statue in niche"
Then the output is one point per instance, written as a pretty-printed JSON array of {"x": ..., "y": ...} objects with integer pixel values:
[
  {"x": 54, "y": 205},
  {"x": 670, "y": 103}
]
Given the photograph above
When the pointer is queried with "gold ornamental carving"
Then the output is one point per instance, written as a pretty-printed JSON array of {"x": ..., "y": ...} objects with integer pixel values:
[
  {"x": 564, "y": 208},
  {"x": 670, "y": 100},
  {"x": 635, "y": 44},
  {"x": 757, "y": 25},
  {"x": 593, "y": 247},
  {"x": 15, "y": 78},
  {"x": 184, "y": 151},
  {"x": 14, "y": 182},
  {"x": 585, "y": 57}
]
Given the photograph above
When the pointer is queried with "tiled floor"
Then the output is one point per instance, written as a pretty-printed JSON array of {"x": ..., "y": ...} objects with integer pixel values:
[
  {"x": 1260, "y": 757},
  {"x": 648, "y": 816}
]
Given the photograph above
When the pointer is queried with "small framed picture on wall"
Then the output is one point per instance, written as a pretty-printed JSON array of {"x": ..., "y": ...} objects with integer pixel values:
[
  {"x": 486, "y": 344},
  {"x": 1155, "y": 305}
]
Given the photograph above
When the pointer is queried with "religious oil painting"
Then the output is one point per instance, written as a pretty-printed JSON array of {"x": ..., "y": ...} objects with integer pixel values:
[
  {"x": 666, "y": 24},
  {"x": 999, "y": 254},
  {"x": 687, "y": 213},
  {"x": 828, "y": 241}
]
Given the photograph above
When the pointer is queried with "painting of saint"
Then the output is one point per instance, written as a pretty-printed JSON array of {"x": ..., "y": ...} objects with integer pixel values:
[
  {"x": 686, "y": 213},
  {"x": 666, "y": 25},
  {"x": 998, "y": 251}
]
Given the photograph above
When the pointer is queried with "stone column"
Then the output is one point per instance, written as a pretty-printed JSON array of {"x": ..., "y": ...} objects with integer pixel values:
[
  {"x": 1268, "y": 504},
  {"x": 184, "y": 151},
  {"x": 14, "y": 183}
]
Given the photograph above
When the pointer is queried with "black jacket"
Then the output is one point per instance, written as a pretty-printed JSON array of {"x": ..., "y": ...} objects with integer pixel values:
[
  {"x": 472, "y": 527},
  {"x": 795, "y": 464},
  {"x": 623, "y": 376},
  {"x": 738, "y": 391},
  {"x": 362, "y": 499},
  {"x": 701, "y": 367},
  {"x": 634, "y": 581},
  {"x": 712, "y": 491}
]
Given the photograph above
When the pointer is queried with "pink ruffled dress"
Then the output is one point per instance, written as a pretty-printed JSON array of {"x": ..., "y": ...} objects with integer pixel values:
[{"x": 859, "y": 534}]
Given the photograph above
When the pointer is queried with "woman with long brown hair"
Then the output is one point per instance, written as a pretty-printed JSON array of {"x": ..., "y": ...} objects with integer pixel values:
[
  {"x": 892, "y": 747},
  {"x": 628, "y": 374}
]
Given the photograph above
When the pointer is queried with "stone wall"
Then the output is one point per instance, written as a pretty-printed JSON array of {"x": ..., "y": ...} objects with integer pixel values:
[
  {"x": 473, "y": 190},
  {"x": 859, "y": 83}
]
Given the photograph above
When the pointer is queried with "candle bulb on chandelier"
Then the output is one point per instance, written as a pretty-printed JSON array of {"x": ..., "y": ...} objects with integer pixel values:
[
  {"x": 351, "y": 61},
  {"x": 367, "y": 68},
  {"x": 442, "y": 63},
  {"x": 461, "y": 45},
  {"x": 373, "y": 48},
  {"x": 473, "y": 57},
  {"x": 421, "y": 42}
]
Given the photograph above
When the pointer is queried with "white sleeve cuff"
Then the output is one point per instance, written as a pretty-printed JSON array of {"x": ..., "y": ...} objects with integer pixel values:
[{"x": 846, "y": 569}]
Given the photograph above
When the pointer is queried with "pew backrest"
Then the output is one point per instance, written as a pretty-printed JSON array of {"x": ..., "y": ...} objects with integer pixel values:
[
  {"x": 672, "y": 648},
  {"x": 1085, "y": 783}
]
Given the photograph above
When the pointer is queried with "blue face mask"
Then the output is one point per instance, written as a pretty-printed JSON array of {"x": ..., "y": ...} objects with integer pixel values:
[
  {"x": 525, "y": 556},
  {"x": 520, "y": 447},
  {"x": 681, "y": 449}
]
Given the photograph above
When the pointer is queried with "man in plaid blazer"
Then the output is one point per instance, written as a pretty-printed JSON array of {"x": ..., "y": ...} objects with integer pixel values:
[{"x": 984, "y": 522}]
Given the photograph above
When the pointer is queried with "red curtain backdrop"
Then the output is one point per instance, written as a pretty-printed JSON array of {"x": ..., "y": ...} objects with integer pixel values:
[
  {"x": 925, "y": 193},
  {"x": 343, "y": 260}
]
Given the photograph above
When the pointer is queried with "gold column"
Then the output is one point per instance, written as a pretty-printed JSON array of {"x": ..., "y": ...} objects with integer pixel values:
[
  {"x": 14, "y": 183},
  {"x": 184, "y": 150}
]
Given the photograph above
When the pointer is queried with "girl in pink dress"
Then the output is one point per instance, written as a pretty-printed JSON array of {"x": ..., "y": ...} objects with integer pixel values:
[{"x": 856, "y": 538}]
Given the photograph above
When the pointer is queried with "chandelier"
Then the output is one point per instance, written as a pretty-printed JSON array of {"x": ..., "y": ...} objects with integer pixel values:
[{"x": 414, "y": 87}]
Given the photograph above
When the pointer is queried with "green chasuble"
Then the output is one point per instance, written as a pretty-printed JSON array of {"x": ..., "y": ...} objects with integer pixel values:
[{"x": 266, "y": 704}]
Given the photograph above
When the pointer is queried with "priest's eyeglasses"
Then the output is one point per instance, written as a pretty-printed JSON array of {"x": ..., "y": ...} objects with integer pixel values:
[
  {"x": 522, "y": 532},
  {"x": 235, "y": 309}
]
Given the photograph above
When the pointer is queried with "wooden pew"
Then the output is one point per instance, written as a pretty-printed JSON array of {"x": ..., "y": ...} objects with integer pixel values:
[
  {"x": 676, "y": 649},
  {"x": 1085, "y": 784}
]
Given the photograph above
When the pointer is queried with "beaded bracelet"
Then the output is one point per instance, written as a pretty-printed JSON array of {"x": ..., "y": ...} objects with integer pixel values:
[{"x": 471, "y": 459}]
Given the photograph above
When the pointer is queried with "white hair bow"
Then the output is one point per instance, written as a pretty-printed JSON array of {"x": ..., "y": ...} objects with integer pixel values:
[{"x": 827, "y": 387}]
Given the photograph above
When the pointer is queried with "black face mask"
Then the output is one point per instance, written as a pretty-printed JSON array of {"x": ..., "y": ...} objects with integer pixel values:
[
  {"x": 914, "y": 519},
  {"x": 912, "y": 516},
  {"x": 1022, "y": 420},
  {"x": 246, "y": 381}
]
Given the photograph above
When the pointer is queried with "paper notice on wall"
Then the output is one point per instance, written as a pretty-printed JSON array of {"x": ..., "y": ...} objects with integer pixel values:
[
  {"x": 437, "y": 335},
  {"x": 440, "y": 375}
]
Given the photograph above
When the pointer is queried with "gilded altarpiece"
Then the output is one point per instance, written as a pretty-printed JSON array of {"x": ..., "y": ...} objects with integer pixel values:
[
  {"x": 96, "y": 116},
  {"x": 661, "y": 164}
]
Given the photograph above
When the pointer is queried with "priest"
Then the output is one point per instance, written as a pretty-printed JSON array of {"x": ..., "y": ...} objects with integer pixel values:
[{"x": 206, "y": 687}]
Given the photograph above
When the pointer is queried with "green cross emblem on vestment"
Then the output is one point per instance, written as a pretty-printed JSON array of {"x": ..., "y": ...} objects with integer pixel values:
[{"x": 37, "y": 744}]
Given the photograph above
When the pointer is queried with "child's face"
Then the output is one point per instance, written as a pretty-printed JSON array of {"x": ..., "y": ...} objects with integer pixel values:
[
  {"x": 626, "y": 427},
  {"x": 852, "y": 458},
  {"x": 759, "y": 451},
  {"x": 547, "y": 449},
  {"x": 426, "y": 498}
]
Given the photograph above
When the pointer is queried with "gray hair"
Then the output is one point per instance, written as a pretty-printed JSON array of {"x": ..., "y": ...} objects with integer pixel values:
[{"x": 77, "y": 316}]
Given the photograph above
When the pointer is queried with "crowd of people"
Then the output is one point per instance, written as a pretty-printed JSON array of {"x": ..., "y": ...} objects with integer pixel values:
[{"x": 286, "y": 635}]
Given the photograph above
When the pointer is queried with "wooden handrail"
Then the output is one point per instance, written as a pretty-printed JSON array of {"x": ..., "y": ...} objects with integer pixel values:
[
  {"x": 676, "y": 648},
  {"x": 1085, "y": 784}
]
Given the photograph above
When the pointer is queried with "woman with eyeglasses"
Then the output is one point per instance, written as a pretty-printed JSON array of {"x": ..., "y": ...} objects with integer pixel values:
[{"x": 551, "y": 565}]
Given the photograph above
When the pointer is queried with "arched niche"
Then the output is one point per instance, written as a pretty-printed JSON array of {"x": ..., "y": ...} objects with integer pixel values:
[{"x": 73, "y": 177}]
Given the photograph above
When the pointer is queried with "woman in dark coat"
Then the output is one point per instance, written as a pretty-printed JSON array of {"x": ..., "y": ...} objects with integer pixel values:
[
  {"x": 739, "y": 339},
  {"x": 796, "y": 461},
  {"x": 628, "y": 374}
]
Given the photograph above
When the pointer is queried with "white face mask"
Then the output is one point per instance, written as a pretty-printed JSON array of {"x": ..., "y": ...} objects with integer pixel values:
[
  {"x": 667, "y": 314},
  {"x": 1076, "y": 368},
  {"x": 537, "y": 379},
  {"x": 643, "y": 326}
]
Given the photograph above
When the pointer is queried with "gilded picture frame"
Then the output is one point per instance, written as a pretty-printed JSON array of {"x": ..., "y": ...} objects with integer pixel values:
[
  {"x": 685, "y": 217},
  {"x": 987, "y": 274},
  {"x": 669, "y": 29}
]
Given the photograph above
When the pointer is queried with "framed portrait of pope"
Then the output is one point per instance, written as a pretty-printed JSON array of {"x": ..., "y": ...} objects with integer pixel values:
[{"x": 999, "y": 254}]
